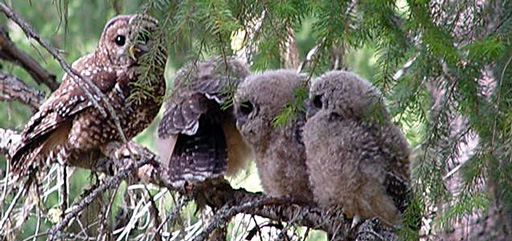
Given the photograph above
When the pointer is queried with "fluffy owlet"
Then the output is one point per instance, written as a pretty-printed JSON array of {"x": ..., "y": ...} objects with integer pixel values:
[
  {"x": 357, "y": 159},
  {"x": 69, "y": 128},
  {"x": 198, "y": 122},
  {"x": 279, "y": 151}
]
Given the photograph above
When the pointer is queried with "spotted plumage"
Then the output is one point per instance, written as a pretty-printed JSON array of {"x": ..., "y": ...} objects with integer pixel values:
[
  {"x": 68, "y": 128},
  {"x": 357, "y": 159},
  {"x": 200, "y": 140},
  {"x": 278, "y": 149}
]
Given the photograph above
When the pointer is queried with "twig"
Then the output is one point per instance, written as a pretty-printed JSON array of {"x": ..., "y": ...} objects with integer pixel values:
[
  {"x": 221, "y": 196},
  {"x": 12, "y": 88},
  {"x": 173, "y": 214},
  {"x": 10, "y": 52},
  {"x": 75, "y": 76},
  {"x": 109, "y": 183},
  {"x": 22, "y": 191}
]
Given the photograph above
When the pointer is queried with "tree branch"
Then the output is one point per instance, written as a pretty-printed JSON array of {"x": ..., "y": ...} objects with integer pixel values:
[
  {"x": 111, "y": 182},
  {"x": 10, "y": 52},
  {"x": 12, "y": 88},
  {"x": 218, "y": 195}
]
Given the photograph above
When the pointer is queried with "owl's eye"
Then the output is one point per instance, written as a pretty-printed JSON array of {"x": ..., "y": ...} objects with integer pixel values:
[
  {"x": 120, "y": 40},
  {"x": 246, "y": 108},
  {"x": 317, "y": 101}
]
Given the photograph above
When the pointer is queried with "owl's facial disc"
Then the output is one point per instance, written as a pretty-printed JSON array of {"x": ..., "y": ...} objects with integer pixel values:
[{"x": 125, "y": 38}]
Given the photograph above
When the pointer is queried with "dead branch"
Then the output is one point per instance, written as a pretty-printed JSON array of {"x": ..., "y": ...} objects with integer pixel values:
[
  {"x": 10, "y": 52},
  {"x": 220, "y": 196},
  {"x": 75, "y": 76},
  {"x": 111, "y": 182},
  {"x": 12, "y": 88}
]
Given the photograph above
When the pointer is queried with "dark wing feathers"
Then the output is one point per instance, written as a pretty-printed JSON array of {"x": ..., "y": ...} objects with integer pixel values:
[
  {"x": 183, "y": 116},
  {"x": 398, "y": 189},
  {"x": 210, "y": 79},
  {"x": 194, "y": 114},
  {"x": 200, "y": 156}
]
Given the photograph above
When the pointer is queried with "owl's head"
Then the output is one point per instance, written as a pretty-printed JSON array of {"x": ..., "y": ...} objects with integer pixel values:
[
  {"x": 262, "y": 97},
  {"x": 341, "y": 94},
  {"x": 125, "y": 39}
]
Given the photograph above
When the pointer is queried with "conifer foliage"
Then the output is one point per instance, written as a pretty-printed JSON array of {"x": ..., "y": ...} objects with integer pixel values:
[{"x": 443, "y": 65}]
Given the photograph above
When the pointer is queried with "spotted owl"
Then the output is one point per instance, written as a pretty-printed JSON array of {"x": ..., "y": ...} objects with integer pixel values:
[
  {"x": 278, "y": 148},
  {"x": 202, "y": 141},
  {"x": 358, "y": 160},
  {"x": 69, "y": 128}
]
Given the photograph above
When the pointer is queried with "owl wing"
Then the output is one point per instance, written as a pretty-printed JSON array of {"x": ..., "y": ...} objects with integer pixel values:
[
  {"x": 210, "y": 79},
  {"x": 199, "y": 156},
  {"x": 194, "y": 113},
  {"x": 60, "y": 108},
  {"x": 182, "y": 115},
  {"x": 398, "y": 189}
]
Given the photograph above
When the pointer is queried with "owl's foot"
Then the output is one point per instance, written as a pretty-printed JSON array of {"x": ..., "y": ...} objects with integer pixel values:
[{"x": 129, "y": 150}]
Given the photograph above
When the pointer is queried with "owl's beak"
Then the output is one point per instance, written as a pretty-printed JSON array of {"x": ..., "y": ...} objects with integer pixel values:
[
  {"x": 310, "y": 109},
  {"x": 239, "y": 123},
  {"x": 137, "y": 50}
]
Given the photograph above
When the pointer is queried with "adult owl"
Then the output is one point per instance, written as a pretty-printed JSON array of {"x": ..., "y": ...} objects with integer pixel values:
[
  {"x": 278, "y": 147},
  {"x": 198, "y": 122},
  {"x": 357, "y": 159},
  {"x": 69, "y": 128}
]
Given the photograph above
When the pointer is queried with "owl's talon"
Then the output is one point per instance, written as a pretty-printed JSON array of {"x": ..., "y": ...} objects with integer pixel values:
[
  {"x": 355, "y": 221},
  {"x": 128, "y": 150}
]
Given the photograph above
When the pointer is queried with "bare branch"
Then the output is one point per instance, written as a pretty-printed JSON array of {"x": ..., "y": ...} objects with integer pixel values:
[
  {"x": 75, "y": 76},
  {"x": 111, "y": 182},
  {"x": 10, "y": 52},
  {"x": 219, "y": 196},
  {"x": 12, "y": 88}
]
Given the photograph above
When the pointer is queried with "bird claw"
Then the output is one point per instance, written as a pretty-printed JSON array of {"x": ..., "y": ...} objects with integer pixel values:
[{"x": 355, "y": 221}]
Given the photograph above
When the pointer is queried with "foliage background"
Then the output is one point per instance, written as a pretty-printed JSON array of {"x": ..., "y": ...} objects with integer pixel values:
[{"x": 442, "y": 65}]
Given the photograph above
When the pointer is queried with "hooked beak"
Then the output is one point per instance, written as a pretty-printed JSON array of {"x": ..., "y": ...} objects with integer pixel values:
[
  {"x": 239, "y": 123},
  {"x": 136, "y": 51},
  {"x": 311, "y": 110}
]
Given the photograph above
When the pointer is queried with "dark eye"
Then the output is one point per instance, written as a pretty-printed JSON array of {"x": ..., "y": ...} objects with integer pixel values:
[
  {"x": 246, "y": 108},
  {"x": 120, "y": 40},
  {"x": 317, "y": 101}
]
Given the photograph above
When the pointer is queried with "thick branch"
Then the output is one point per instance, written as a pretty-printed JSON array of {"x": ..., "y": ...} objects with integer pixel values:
[
  {"x": 12, "y": 88},
  {"x": 10, "y": 52}
]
